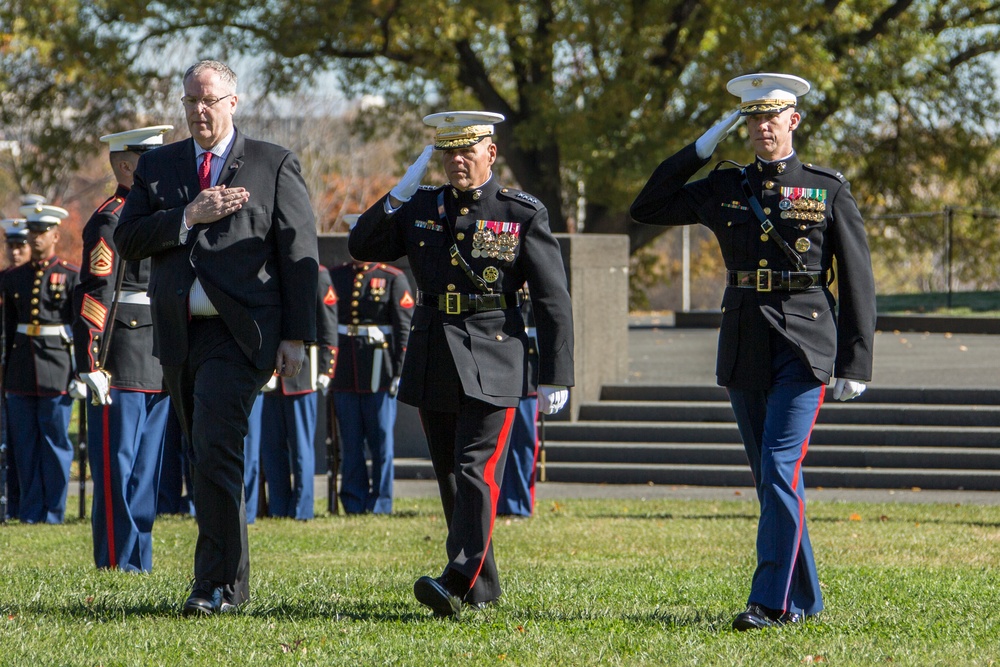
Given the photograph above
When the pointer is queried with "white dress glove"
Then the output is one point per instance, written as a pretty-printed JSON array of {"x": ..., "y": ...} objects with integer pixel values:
[
  {"x": 77, "y": 390},
  {"x": 394, "y": 387},
  {"x": 411, "y": 179},
  {"x": 323, "y": 382},
  {"x": 552, "y": 398},
  {"x": 707, "y": 142},
  {"x": 845, "y": 390},
  {"x": 100, "y": 387},
  {"x": 271, "y": 385}
]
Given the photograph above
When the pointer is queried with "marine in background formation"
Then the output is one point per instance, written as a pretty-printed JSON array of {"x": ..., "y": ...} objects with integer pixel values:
[{"x": 113, "y": 340}]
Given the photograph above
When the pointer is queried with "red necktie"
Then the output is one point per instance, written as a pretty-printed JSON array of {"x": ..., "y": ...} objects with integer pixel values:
[{"x": 205, "y": 171}]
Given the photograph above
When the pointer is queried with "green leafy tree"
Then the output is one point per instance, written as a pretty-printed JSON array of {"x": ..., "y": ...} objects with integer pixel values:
[
  {"x": 66, "y": 78},
  {"x": 596, "y": 93}
]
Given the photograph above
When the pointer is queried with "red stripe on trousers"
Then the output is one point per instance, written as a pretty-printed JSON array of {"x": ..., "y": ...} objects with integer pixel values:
[
  {"x": 802, "y": 507},
  {"x": 109, "y": 514},
  {"x": 489, "y": 475}
]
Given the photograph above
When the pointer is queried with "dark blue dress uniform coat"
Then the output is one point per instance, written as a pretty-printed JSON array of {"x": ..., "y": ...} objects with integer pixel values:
[
  {"x": 125, "y": 438},
  {"x": 38, "y": 293},
  {"x": 831, "y": 341},
  {"x": 484, "y": 346},
  {"x": 466, "y": 365},
  {"x": 38, "y": 366},
  {"x": 782, "y": 335},
  {"x": 372, "y": 294}
]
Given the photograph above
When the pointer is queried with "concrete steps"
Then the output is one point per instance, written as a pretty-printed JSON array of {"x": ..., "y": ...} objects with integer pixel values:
[
  {"x": 902, "y": 438},
  {"x": 889, "y": 438}
]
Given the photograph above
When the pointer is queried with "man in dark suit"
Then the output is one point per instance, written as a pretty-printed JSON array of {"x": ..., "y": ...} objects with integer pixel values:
[
  {"x": 472, "y": 244},
  {"x": 781, "y": 339},
  {"x": 228, "y": 224}
]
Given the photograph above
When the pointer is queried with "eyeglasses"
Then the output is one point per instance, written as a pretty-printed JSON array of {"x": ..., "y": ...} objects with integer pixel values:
[{"x": 207, "y": 102}]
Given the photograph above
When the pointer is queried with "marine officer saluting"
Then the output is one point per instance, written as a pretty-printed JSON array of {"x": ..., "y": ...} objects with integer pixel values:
[
  {"x": 472, "y": 244},
  {"x": 780, "y": 224},
  {"x": 38, "y": 383}
]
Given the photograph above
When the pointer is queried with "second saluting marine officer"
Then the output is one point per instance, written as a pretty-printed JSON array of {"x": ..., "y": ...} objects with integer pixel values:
[
  {"x": 472, "y": 244},
  {"x": 780, "y": 223}
]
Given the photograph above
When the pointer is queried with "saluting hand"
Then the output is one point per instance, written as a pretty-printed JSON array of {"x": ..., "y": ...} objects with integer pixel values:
[{"x": 215, "y": 203}]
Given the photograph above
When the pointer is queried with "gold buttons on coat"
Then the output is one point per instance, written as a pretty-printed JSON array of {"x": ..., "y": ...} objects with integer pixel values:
[
  {"x": 454, "y": 262},
  {"x": 460, "y": 236},
  {"x": 464, "y": 210},
  {"x": 421, "y": 244},
  {"x": 763, "y": 262},
  {"x": 767, "y": 210},
  {"x": 499, "y": 337},
  {"x": 451, "y": 287},
  {"x": 815, "y": 314},
  {"x": 763, "y": 237},
  {"x": 768, "y": 185}
]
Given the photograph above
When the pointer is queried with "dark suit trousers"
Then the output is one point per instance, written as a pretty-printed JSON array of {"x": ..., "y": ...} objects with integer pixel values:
[
  {"x": 468, "y": 449},
  {"x": 212, "y": 394}
]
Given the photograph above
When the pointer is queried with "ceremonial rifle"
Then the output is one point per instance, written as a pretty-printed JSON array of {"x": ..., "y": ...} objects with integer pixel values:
[{"x": 332, "y": 455}]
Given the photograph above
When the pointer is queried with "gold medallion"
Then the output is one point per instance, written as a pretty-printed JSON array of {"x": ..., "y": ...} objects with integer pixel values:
[
  {"x": 802, "y": 244},
  {"x": 490, "y": 274}
]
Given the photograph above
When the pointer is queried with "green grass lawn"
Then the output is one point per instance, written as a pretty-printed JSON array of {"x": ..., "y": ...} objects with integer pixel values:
[{"x": 587, "y": 582}]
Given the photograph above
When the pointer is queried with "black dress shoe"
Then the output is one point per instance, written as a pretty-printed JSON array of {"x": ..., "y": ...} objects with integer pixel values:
[
  {"x": 756, "y": 617},
  {"x": 432, "y": 593},
  {"x": 205, "y": 600}
]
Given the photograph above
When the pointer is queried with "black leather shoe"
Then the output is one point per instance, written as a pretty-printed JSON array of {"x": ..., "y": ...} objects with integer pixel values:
[
  {"x": 205, "y": 600},
  {"x": 756, "y": 617},
  {"x": 431, "y": 593}
]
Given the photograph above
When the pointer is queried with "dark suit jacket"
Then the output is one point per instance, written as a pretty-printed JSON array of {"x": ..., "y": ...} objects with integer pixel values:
[
  {"x": 813, "y": 210},
  {"x": 258, "y": 266}
]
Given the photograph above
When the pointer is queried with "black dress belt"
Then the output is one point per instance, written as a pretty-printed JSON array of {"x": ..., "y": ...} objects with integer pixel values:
[
  {"x": 765, "y": 280},
  {"x": 455, "y": 303}
]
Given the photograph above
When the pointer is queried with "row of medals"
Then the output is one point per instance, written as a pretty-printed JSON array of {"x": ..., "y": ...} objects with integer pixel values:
[
  {"x": 487, "y": 243},
  {"x": 802, "y": 209}
]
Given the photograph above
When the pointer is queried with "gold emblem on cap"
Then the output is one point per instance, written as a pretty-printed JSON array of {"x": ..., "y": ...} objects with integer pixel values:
[
  {"x": 490, "y": 274},
  {"x": 756, "y": 83},
  {"x": 802, "y": 244}
]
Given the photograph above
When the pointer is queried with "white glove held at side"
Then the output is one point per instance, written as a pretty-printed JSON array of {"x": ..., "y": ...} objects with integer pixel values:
[
  {"x": 845, "y": 390},
  {"x": 323, "y": 382},
  {"x": 411, "y": 179},
  {"x": 552, "y": 398},
  {"x": 707, "y": 142},
  {"x": 100, "y": 387},
  {"x": 76, "y": 389}
]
